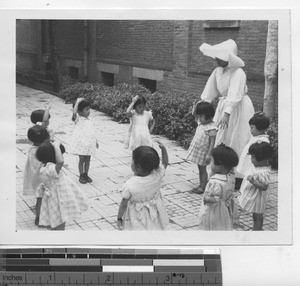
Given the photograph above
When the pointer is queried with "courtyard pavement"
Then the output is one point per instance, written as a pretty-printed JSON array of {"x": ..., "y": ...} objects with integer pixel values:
[{"x": 110, "y": 168}]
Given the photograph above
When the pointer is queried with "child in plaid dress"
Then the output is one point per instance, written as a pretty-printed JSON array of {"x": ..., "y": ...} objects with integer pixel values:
[
  {"x": 62, "y": 198},
  {"x": 203, "y": 142},
  {"x": 254, "y": 188},
  {"x": 84, "y": 142}
]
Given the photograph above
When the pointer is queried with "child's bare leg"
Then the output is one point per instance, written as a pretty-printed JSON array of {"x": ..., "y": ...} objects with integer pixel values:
[
  {"x": 59, "y": 227},
  {"x": 258, "y": 220},
  {"x": 86, "y": 168},
  {"x": 203, "y": 180},
  {"x": 202, "y": 176},
  {"x": 81, "y": 164},
  {"x": 38, "y": 210},
  {"x": 87, "y": 163}
]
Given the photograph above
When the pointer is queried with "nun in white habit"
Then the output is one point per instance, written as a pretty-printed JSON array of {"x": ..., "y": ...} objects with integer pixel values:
[{"x": 234, "y": 108}]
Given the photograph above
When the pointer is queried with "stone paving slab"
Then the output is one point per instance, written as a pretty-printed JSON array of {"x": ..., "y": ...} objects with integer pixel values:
[{"x": 110, "y": 168}]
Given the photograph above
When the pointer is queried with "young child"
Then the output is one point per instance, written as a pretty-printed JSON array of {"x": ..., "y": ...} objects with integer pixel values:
[
  {"x": 62, "y": 198},
  {"x": 139, "y": 132},
  {"x": 142, "y": 206},
  {"x": 203, "y": 142},
  {"x": 254, "y": 188},
  {"x": 259, "y": 125},
  {"x": 217, "y": 208},
  {"x": 42, "y": 117},
  {"x": 31, "y": 180},
  {"x": 84, "y": 142}
]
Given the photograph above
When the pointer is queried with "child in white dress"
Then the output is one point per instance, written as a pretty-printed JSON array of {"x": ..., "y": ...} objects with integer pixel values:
[
  {"x": 31, "y": 180},
  {"x": 142, "y": 206},
  {"x": 84, "y": 142},
  {"x": 203, "y": 142},
  {"x": 259, "y": 125},
  {"x": 254, "y": 188},
  {"x": 62, "y": 199},
  {"x": 139, "y": 132},
  {"x": 218, "y": 207}
]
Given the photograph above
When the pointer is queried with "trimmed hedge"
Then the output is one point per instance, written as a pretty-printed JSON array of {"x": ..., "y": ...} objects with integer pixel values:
[{"x": 171, "y": 110}]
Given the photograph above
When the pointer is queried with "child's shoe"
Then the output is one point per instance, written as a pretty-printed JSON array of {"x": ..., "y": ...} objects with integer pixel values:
[
  {"x": 82, "y": 179},
  {"x": 88, "y": 179}
]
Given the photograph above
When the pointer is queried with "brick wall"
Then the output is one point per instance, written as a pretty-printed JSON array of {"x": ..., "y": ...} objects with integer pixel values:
[
  {"x": 135, "y": 43},
  {"x": 250, "y": 38},
  {"x": 26, "y": 45},
  {"x": 168, "y": 46},
  {"x": 70, "y": 39}
]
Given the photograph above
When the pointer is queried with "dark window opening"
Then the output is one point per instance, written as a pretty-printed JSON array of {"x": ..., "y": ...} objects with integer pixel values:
[
  {"x": 221, "y": 24},
  {"x": 108, "y": 78},
  {"x": 148, "y": 83},
  {"x": 73, "y": 72}
]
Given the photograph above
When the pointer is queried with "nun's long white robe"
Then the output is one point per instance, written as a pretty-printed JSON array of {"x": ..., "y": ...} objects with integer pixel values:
[{"x": 230, "y": 84}]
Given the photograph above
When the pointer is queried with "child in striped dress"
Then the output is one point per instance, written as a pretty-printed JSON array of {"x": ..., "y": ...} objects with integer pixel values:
[
  {"x": 62, "y": 199},
  {"x": 254, "y": 188},
  {"x": 259, "y": 125},
  {"x": 203, "y": 142}
]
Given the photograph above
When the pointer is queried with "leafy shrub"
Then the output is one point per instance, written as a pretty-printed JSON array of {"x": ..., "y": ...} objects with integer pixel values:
[
  {"x": 171, "y": 110},
  {"x": 273, "y": 136}
]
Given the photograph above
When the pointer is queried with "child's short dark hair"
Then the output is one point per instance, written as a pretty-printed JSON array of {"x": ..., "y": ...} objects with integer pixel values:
[
  {"x": 46, "y": 153},
  {"x": 140, "y": 100},
  {"x": 260, "y": 121},
  {"x": 226, "y": 156},
  {"x": 206, "y": 109},
  {"x": 37, "y": 116},
  {"x": 82, "y": 104},
  {"x": 147, "y": 157},
  {"x": 37, "y": 134},
  {"x": 261, "y": 151}
]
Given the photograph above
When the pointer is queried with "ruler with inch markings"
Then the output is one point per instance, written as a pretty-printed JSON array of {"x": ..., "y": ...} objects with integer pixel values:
[{"x": 110, "y": 266}]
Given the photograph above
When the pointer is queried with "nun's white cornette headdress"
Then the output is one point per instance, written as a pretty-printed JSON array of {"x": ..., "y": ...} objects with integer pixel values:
[{"x": 226, "y": 51}]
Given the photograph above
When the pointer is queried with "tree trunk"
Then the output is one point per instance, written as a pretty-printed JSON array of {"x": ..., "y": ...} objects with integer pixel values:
[
  {"x": 271, "y": 69},
  {"x": 54, "y": 56}
]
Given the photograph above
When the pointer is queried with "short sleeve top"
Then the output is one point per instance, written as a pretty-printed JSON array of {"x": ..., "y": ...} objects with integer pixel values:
[{"x": 141, "y": 189}]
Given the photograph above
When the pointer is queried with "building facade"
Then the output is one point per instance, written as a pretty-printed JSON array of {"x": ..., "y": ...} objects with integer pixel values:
[{"x": 162, "y": 55}]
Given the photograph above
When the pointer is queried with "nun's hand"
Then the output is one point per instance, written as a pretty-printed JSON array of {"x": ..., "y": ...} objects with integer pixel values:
[{"x": 224, "y": 121}]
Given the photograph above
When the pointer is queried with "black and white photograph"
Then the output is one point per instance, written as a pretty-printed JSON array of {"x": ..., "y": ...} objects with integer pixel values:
[{"x": 155, "y": 124}]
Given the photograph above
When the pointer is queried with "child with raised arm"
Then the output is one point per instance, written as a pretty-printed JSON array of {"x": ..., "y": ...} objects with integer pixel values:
[
  {"x": 254, "y": 188},
  {"x": 62, "y": 199},
  {"x": 42, "y": 117},
  {"x": 142, "y": 206},
  {"x": 203, "y": 142},
  {"x": 217, "y": 208},
  {"x": 139, "y": 132},
  {"x": 84, "y": 142},
  {"x": 32, "y": 182}
]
